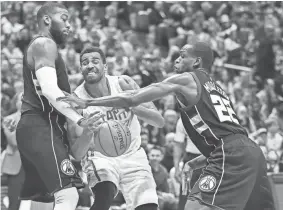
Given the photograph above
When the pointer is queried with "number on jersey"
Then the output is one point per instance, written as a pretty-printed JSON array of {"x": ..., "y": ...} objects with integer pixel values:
[{"x": 223, "y": 108}]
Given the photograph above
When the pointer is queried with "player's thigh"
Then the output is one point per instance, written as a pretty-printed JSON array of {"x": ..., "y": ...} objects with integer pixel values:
[
  {"x": 40, "y": 141},
  {"x": 261, "y": 197},
  {"x": 196, "y": 205},
  {"x": 228, "y": 179},
  {"x": 33, "y": 188},
  {"x": 137, "y": 182},
  {"x": 100, "y": 169}
]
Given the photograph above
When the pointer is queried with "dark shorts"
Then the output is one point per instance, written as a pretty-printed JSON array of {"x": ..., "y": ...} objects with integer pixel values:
[
  {"x": 235, "y": 177},
  {"x": 44, "y": 153}
]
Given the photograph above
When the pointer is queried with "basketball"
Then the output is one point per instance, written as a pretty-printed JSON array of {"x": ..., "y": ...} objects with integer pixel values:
[{"x": 113, "y": 139}]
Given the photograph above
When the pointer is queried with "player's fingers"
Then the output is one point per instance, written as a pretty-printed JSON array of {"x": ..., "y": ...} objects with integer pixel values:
[
  {"x": 7, "y": 122},
  {"x": 94, "y": 113},
  {"x": 95, "y": 119},
  {"x": 63, "y": 98},
  {"x": 66, "y": 93}
]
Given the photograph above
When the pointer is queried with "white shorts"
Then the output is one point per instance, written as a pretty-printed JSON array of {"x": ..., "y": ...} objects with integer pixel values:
[{"x": 131, "y": 173}]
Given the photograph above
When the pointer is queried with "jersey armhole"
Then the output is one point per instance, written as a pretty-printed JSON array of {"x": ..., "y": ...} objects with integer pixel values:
[{"x": 199, "y": 89}]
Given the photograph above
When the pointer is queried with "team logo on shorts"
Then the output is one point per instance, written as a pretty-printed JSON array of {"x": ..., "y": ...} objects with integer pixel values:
[
  {"x": 207, "y": 183},
  {"x": 67, "y": 167}
]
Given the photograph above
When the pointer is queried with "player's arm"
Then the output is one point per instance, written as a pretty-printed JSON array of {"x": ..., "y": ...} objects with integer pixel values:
[
  {"x": 79, "y": 139},
  {"x": 184, "y": 84},
  {"x": 179, "y": 144},
  {"x": 11, "y": 135},
  {"x": 146, "y": 111},
  {"x": 45, "y": 53},
  {"x": 198, "y": 162}
]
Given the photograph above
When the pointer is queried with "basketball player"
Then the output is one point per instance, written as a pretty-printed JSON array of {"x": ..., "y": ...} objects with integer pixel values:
[
  {"x": 40, "y": 133},
  {"x": 130, "y": 172},
  {"x": 234, "y": 176}
]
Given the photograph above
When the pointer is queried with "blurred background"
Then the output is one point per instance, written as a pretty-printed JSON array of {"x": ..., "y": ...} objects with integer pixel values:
[{"x": 142, "y": 40}]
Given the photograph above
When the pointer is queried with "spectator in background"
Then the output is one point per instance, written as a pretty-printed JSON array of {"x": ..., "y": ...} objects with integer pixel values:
[
  {"x": 184, "y": 151},
  {"x": 171, "y": 118},
  {"x": 23, "y": 38},
  {"x": 277, "y": 115},
  {"x": 167, "y": 160},
  {"x": 160, "y": 174},
  {"x": 12, "y": 53},
  {"x": 11, "y": 24},
  {"x": 166, "y": 199},
  {"x": 11, "y": 164},
  {"x": 157, "y": 14},
  {"x": 120, "y": 62},
  {"x": 265, "y": 56}
]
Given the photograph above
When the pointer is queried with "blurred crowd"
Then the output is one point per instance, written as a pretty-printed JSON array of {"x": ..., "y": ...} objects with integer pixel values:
[{"x": 142, "y": 40}]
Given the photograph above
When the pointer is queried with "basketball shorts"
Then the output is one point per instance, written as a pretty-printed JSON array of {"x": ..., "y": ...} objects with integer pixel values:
[
  {"x": 235, "y": 177},
  {"x": 43, "y": 148},
  {"x": 131, "y": 173}
]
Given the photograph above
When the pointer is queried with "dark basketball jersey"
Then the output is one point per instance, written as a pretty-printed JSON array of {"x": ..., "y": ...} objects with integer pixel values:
[
  {"x": 32, "y": 97},
  {"x": 212, "y": 118}
]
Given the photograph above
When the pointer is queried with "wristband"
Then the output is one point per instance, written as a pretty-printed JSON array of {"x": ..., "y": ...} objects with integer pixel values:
[{"x": 80, "y": 121}]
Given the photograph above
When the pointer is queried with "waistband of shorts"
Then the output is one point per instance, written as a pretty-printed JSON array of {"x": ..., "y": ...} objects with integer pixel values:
[
  {"x": 61, "y": 118},
  {"x": 237, "y": 139}
]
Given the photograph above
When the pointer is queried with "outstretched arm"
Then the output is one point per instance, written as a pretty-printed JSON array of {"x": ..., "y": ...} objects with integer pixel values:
[
  {"x": 183, "y": 84},
  {"x": 45, "y": 53},
  {"x": 146, "y": 111}
]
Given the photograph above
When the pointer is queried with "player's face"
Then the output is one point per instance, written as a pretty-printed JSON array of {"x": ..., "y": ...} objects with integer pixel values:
[
  {"x": 60, "y": 26},
  {"x": 184, "y": 63},
  {"x": 92, "y": 67}
]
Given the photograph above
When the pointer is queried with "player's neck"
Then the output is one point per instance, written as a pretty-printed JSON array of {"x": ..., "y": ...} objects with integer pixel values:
[
  {"x": 98, "y": 89},
  {"x": 45, "y": 32}
]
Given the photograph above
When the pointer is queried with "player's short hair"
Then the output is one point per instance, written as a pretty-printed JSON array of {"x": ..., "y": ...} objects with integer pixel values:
[
  {"x": 48, "y": 9},
  {"x": 202, "y": 50},
  {"x": 91, "y": 49}
]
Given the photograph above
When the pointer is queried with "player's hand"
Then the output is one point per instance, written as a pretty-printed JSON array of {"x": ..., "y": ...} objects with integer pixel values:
[
  {"x": 72, "y": 98},
  {"x": 10, "y": 124},
  {"x": 93, "y": 121},
  {"x": 186, "y": 178},
  {"x": 178, "y": 175}
]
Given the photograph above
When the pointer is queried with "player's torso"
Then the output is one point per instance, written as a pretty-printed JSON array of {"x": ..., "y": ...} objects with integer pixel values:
[
  {"x": 32, "y": 97},
  {"x": 126, "y": 117},
  {"x": 212, "y": 118}
]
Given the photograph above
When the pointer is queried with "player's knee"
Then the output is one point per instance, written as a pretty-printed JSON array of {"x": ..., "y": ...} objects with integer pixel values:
[{"x": 69, "y": 196}]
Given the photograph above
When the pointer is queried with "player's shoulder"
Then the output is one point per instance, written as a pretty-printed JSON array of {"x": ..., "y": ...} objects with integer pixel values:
[
  {"x": 79, "y": 90},
  {"x": 182, "y": 79},
  {"x": 124, "y": 78},
  {"x": 44, "y": 44},
  {"x": 127, "y": 83}
]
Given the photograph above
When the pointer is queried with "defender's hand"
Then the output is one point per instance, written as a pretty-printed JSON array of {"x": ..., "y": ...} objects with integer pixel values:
[
  {"x": 10, "y": 124},
  {"x": 178, "y": 175},
  {"x": 93, "y": 121},
  {"x": 71, "y": 98},
  {"x": 186, "y": 178}
]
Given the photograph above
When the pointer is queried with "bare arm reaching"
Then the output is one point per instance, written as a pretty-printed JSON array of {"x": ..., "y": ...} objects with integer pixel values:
[
  {"x": 45, "y": 53},
  {"x": 80, "y": 138},
  {"x": 183, "y": 84},
  {"x": 146, "y": 111}
]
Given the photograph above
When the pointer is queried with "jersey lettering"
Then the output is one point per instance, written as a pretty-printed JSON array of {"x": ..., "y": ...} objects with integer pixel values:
[
  {"x": 113, "y": 115},
  {"x": 223, "y": 109}
]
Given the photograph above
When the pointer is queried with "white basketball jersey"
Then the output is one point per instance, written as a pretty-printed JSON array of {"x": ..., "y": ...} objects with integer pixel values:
[{"x": 112, "y": 113}]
